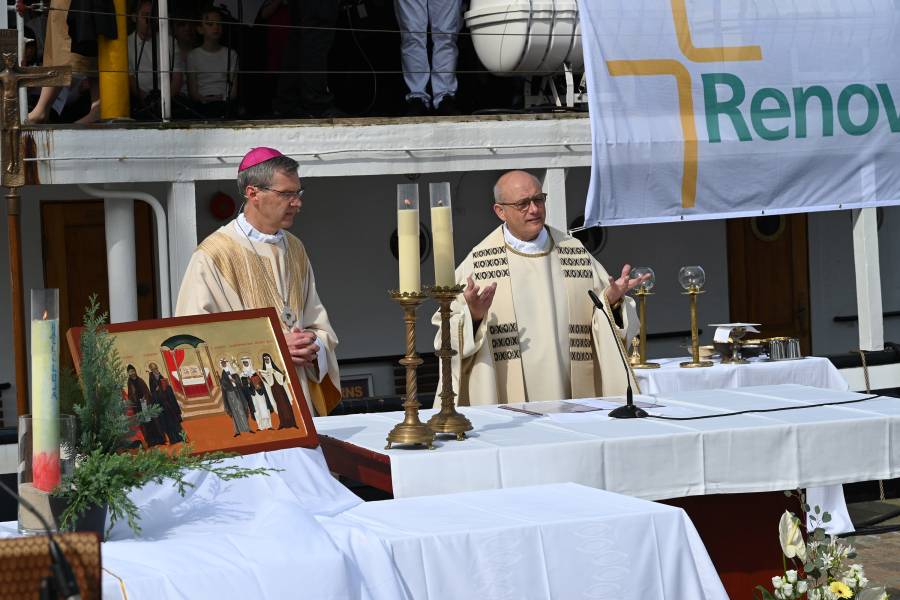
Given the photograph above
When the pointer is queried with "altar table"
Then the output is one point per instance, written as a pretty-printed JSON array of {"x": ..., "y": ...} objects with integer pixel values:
[
  {"x": 814, "y": 371},
  {"x": 299, "y": 534}
]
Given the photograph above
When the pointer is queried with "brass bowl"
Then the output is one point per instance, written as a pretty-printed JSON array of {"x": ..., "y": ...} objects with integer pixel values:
[{"x": 706, "y": 352}]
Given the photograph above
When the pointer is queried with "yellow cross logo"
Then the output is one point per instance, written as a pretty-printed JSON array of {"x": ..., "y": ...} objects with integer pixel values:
[{"x": 675, "y": 68}]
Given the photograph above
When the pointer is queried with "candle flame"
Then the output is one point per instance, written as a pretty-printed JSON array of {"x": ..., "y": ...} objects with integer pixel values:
[
  {"x": 407, "y": 202},
  {"x": 45, "y": 315},
  {"x": 440, "y": 202}
]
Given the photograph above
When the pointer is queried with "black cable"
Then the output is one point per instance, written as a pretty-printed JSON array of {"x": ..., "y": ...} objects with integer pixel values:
[{"x": 766, "y": 410}]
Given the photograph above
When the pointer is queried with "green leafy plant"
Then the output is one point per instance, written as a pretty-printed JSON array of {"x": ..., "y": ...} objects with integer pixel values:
[{"x": 107, "y": 467}]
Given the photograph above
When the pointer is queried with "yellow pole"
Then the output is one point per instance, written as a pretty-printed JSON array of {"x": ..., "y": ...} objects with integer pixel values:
[{"x": 113, "y": 63}]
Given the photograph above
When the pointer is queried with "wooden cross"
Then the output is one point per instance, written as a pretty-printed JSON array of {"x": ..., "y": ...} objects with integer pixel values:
[
  {"x": 12, "y": 176},
  {"x": 11, "y": 79}
]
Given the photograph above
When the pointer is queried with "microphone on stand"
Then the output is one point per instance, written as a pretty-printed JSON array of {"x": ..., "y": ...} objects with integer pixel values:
[
  {"x": 629, "y": 410},
  {"x": 62, "y": 579}
]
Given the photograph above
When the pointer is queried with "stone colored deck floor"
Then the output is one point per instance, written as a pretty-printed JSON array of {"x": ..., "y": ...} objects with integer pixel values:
[{"x": 880, "y": 555}]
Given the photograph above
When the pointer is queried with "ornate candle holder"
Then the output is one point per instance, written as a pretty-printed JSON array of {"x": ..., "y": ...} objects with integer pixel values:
[
  {"x": 641, "y": 292},
  {"x": 692, "y": 280},
  {"x": 447, "y": 420},
  {"x": 411, "y": 431}
]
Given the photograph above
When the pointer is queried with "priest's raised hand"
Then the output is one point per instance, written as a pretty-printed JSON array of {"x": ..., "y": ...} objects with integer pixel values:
[
  {"x": 621, "y": 286},
  {"x": 478, "y": 300}
]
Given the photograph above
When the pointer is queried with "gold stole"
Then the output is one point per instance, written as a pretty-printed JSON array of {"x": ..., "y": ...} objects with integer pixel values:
[
  {"x": 491, "y": 264},
  {"x": 252, "y": 276}
]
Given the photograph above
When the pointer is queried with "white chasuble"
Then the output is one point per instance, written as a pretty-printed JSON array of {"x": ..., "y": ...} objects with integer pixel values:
[
  {"x": 542, "y": 338},
  {"x": 228, "y": 272}
]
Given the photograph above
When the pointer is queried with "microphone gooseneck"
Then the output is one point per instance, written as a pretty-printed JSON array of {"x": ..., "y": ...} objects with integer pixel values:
[
  {"x": 629, "y": 410},
  {"x": 62, "y": 576}
]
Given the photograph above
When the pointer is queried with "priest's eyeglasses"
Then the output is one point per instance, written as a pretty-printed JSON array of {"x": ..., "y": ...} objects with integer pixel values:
[
  {"x": 284, "y": 195},
  {"x": 523, "y": 205}
]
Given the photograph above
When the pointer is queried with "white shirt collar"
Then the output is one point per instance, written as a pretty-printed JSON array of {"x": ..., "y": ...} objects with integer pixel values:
[
  {"x": 536, "y": 246},
  {"x": 244, "y": 226}
]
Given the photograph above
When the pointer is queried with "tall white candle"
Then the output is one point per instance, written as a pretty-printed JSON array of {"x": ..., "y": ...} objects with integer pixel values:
[
  {"x": 45, "y": 388},
  {"x": 408, "y": 237},
  {"x": 442, "y": 232}
]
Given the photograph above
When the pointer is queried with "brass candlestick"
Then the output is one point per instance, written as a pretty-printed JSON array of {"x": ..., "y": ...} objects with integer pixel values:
[
  {"x": 411, "y": 431},
  {"x": 447, "y": 420},
  {"x": 642, "y": 293},
  {"x": 695, "y": 361}
]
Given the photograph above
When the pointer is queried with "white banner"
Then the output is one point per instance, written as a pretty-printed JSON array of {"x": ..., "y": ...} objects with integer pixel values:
[{"x": 704, "y": 109}]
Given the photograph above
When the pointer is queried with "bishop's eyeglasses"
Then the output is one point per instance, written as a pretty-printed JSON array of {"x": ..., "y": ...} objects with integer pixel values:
[
  {"x": 285, "y": 195},
  {"x": 523, "y": 205}
]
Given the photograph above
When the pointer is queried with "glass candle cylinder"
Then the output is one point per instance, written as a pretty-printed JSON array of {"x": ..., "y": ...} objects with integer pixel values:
[
  {"x": 442, "y": 234},
  {"x": 408, "y": 236},
  {"x": 31, "y": 488}
]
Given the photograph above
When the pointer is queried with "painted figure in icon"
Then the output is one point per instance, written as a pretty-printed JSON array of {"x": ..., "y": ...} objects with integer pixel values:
[
  {"x": 140, "y": 399},
  {"x": 235, "y": 405},
  {"x": 243, "y": 382},
  {"x": 261, "y": 403},
  {"x": 162, "y": 395},
  {"x": 274, "y": 381}
]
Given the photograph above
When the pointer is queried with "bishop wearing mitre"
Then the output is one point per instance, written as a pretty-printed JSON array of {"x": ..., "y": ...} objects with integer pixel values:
[{"x": 254, "y": 262}]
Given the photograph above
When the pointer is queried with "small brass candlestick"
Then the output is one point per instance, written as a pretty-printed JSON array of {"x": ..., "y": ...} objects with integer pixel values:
[
  {"x": 692, "y": 280},
  {"x": 411, "y": 431},
  {"x": 642, "y": 292},
  {"x": 695, "y": 361},
  {"x": 447, "y": 420}
]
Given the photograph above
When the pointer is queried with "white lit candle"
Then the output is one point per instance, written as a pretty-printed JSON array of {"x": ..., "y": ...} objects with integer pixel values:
[
  {"x": 442, "y": 232},
  {"x": 45, "y": 388},
  {"x": 408, "y": 236}
]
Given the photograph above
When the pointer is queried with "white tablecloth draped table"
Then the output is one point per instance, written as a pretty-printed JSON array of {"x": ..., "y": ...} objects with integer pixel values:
[
  {"x": 814, "y": 371},
  {"x": 653, "y": 458},
  {"x": 300, "y": 534}
]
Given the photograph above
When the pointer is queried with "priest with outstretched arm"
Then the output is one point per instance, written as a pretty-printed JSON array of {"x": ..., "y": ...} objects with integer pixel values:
[{"x": 524, "y": 328}]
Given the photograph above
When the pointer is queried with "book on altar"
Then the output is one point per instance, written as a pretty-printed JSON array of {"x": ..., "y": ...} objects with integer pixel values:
[{"x": 580, "y": 405}]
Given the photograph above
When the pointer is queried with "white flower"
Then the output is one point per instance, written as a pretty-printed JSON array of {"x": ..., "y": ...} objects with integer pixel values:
[
  {"x": 788, "y": 590},
  {"x": 791, "y": 576},
  {"x": 802, "y": 586},
  {"x": 863, "y": 581},
  {"x": 777, "y": 582},
  {"x": 790, "y": 537}
]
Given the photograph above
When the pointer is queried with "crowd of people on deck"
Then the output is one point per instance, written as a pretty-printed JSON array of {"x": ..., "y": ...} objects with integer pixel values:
[{"x": 252, "y": 58}]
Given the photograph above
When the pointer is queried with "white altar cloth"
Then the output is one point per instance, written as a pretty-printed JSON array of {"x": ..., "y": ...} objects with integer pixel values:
[
  {"x": 561, "y": 541},
  {"x": 814, "y": 371},
  {"x": 651, "y": 458},
  {"x": 299, "y": 534}
]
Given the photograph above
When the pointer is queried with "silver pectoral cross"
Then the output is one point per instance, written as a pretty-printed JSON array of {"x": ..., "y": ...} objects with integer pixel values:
[{"x": 288, "y": 317}]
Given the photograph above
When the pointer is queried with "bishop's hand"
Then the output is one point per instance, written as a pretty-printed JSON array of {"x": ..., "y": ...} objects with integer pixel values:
[
  {"x": 478, "y": 300},
  {"x": 621, "y": 286},
  {"x": 303, "y": 346}
]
